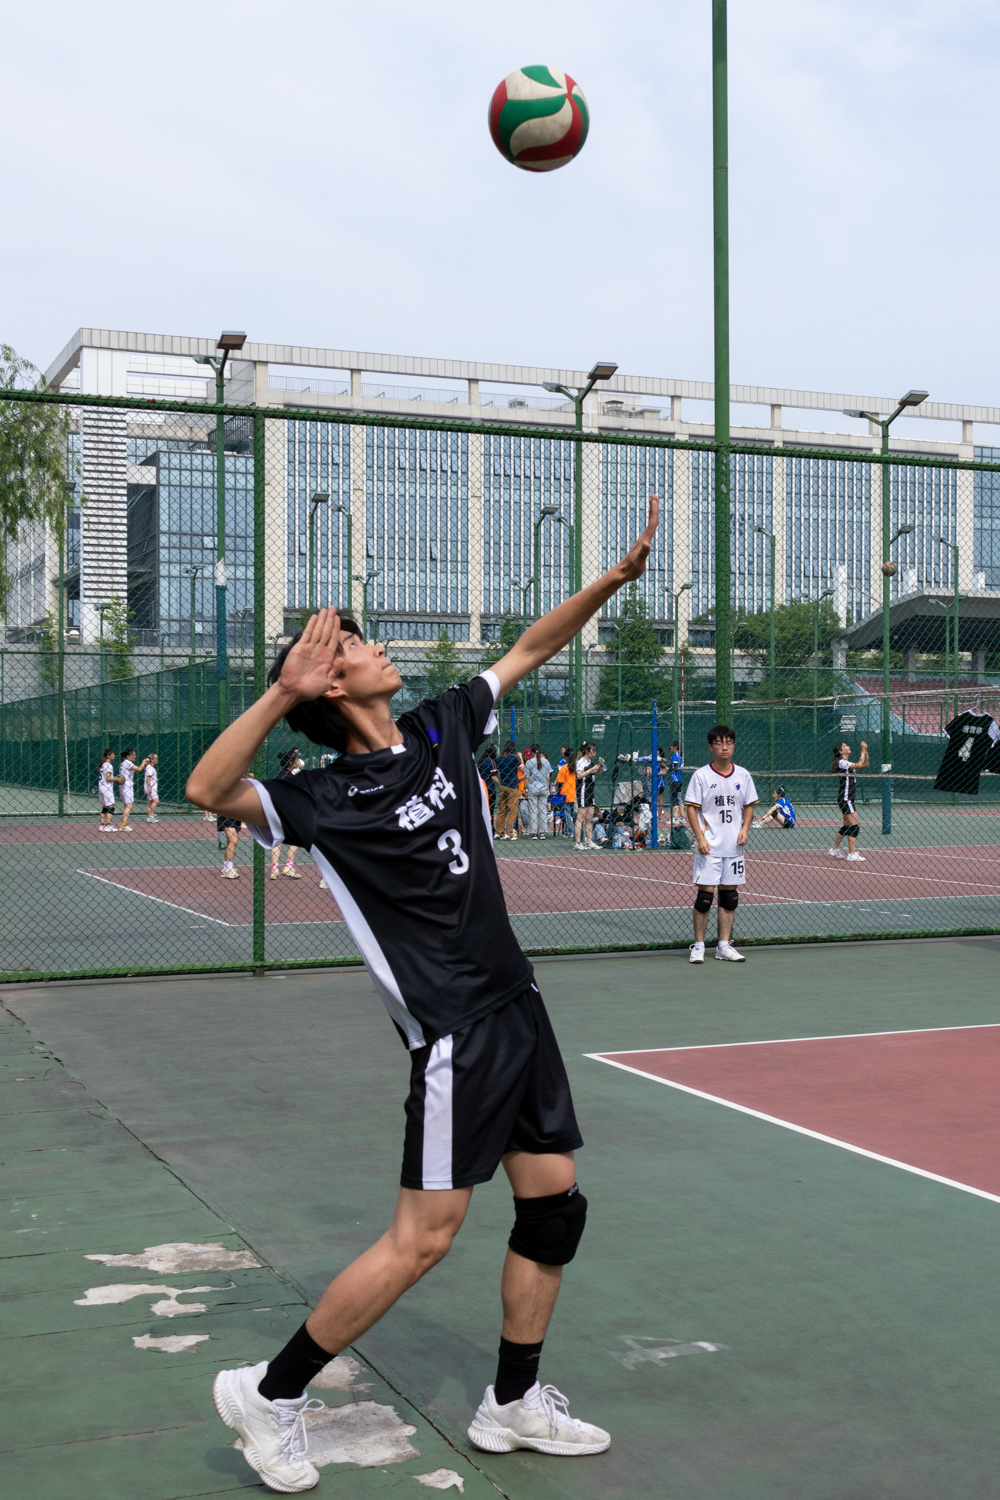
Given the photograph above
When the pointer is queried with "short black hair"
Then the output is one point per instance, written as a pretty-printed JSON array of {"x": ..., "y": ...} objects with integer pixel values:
[
  {"x": 721, "y": 732},
  {"x": 319, "y": 720}
]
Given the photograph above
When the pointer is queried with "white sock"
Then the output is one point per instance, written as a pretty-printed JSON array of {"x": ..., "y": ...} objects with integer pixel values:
[{"x": 227, "y": 864}]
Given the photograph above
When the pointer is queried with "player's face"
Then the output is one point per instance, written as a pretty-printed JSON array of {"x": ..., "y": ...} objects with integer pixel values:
[
  {"x": 722, "y": 750},
  {"x": 366, "y": 672}
]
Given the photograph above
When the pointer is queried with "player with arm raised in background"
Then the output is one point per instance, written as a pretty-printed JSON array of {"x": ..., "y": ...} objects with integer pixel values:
[
  {"x": 399, "y": 826},
  {"x": 844, "y": 767},
  {"x": 720, "y": 800}
]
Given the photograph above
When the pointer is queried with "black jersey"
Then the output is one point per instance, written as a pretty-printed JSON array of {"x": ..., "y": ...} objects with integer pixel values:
[
  {"x": 970, "y": 740},
  {"x": 403, "y": 839},
  {"x": 848, "y": 785}
]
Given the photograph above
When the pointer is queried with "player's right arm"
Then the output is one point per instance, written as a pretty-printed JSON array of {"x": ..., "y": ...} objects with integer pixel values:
[
  {"x": 859, "y": 765},
  {"x": 216, "y": 783}
]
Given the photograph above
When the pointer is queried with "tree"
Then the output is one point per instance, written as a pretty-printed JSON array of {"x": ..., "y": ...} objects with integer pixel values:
[
  {"x": 118, "y": 638},
  {"x": 48, "y": 658},
  {"x": 32, "y": 460},
  {"x": 795, "y": 638},
  {"x": 443, "y": 665},
  {"x": 511, "y": 628},
  {"x": 640, "y": 669}
]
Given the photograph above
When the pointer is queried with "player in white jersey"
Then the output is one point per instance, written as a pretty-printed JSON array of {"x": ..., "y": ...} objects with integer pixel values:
[
  {"x": 126, "y": 776},
  {"x": 151, "y": 788},
  {"x": 106, "y": 780},
  {"x": 719, "y": 801}
]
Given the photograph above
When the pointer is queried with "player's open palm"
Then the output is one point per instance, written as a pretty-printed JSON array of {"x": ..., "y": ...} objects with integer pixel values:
[
  {"x": 633, "y": 564},
  {"x": 308, "y": 670}
]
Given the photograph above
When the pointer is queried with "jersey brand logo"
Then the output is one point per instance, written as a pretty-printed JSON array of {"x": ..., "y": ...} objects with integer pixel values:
[{"x": 365, "y": 791}]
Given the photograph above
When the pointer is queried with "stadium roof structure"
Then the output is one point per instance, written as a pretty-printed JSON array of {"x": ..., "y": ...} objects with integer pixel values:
[{"x": 917, "y": 623}]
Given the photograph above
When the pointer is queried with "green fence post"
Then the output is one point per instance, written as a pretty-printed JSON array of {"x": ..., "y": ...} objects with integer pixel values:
[
  {"x": 259, "y": 646},
  {"x": 721, "y": 501}
]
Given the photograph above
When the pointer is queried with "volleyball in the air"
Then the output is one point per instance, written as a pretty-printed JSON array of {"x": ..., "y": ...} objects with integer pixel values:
[{"x": 539, "y": 119}]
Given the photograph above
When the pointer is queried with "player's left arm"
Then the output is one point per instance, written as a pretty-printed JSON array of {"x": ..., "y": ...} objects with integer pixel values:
[
  {"x": 859, "y": 765},
  {"x": 555, "y": 630}
]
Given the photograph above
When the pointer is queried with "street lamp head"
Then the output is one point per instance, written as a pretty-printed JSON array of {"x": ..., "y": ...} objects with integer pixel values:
[
  {"x": 685, "y": 586},
  {"x": 853, "y": 411},
  {"x": 603, "y": 370},
  {"x": 231, "y": 338},
  {"x": 320, "y": 498},
  {"x": 913, "y": 398},
  {"x": 548, "y": 510},
  {"x": 550, "y": 385},
  {"x": 907, "y": 529}
]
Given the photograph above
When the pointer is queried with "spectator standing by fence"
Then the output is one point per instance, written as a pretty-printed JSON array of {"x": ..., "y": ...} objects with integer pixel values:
[
  {"x": 588, "y": 768},
  {"x": 151, "y": 788},
  {"x": 566, "y": 784},
  {"x": 488, "y": 772},
  {"x": 506, "y": 783},
  {"x": 291, "y": 763},
  {"x": 537, "y": 773}
]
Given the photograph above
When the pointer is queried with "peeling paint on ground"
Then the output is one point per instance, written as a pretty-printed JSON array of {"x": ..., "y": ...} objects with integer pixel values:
[
  {"x": 441, "y": 1479},
  {"x": 169, "y": 1307},
  {"x": 340, "y": 1375},
  {"x": 174, "y": 1343},
  {"x": 180, "y": 1255},
  {"x": 649, "y": 1350}
]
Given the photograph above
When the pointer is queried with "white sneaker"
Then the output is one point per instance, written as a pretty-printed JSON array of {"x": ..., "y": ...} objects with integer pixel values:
[
  {"x": 857, "y": 856},
  {"x": 728, "y": 952},
  {"x": 696, "y": 954},
  {"x": 323, "y": 886},
  {"x": 273, "y": 1432},
  {"x": 291, "y": 873},
  {"x": 230, "y": 874},
  {"x": 837, "y": 853},
  {"x": 540, "y": 1420},
  {"x": 152, "y": 818},
  {"x": 581, "y": 847},
  {"x": 756, "y": 823},
  {"x": 275, "y": 872}
]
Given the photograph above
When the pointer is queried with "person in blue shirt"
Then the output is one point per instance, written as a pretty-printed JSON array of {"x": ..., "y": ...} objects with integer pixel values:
[
  {"x": 781, "y": 813},
  {"x": 676, "y": 802}
]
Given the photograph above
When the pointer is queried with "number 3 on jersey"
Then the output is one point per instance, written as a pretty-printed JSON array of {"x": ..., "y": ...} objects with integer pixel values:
[{"x": 453, "y": 840}]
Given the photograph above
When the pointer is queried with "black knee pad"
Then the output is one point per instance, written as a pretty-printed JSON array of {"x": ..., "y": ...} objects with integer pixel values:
[
  {"x": 729, "y": 900},
  {"x": 548, "y": 1230},
  {"x": 703, "y": 900}
]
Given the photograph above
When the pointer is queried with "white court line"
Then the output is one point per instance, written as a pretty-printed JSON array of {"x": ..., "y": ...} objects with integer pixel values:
[
  {"x": 816, "y": 1135},
  {"x": 775, "y": 1041},
  {"x": 990, "y": 888},
  {"x": 147, "y": 897}
]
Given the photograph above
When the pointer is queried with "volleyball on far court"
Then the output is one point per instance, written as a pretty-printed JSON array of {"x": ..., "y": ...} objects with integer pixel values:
[{"x": 539, "y": 118}]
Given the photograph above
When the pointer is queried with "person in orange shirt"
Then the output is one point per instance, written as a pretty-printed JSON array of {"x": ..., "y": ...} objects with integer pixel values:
[{"x": 566, "y": 783}]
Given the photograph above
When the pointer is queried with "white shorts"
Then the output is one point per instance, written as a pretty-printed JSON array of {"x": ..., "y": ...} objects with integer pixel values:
[
  {"x": 128, "y": 792},
  {"x": 107, "y": 799},
  {"x": 151, "y": 792},
  {"x": 717, "y": 869}
]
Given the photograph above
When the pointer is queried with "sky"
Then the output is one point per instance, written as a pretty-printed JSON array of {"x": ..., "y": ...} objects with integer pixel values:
[{"x": 322, "y": 174}]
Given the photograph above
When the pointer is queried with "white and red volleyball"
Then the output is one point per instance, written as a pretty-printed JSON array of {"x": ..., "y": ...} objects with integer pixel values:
[{"x": 539, "y": 119}]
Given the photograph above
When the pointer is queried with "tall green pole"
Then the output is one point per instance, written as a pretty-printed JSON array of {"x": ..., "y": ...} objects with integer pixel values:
[
  {"x": 350, "y": 559},
  {"x": 259, "y": 666},
  {"x": 311, "y": 559},
  {"x": 576, "y": 579},
  {"x": 954, "y": 633},
  {"x": 720, "y": 215},
  {"x": 771, "y": 656},
  {"x": 886, "y": 606},
  {"x": 537, "y": 615},
  {"x": 61, "y": 750},
  {"x": 221, "y": 646}
]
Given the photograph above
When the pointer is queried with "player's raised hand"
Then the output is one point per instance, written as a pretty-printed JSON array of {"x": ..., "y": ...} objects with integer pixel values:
[
  {"x": 633, "y": 564},
  {"x": 308, "y": 669}
]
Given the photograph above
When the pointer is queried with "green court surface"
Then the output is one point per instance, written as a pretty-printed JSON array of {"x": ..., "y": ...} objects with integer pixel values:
[{"x": 837, "y": 1314}]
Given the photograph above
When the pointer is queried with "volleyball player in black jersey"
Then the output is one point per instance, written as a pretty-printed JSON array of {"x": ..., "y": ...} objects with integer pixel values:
[
  {"x": 846, "y": 793},
  {"x": 400, "y": 828}
]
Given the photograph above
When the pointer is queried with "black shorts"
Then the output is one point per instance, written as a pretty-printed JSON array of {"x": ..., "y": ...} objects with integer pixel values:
[
  {"x": 498, "y": 1085},
  {"x": 675, "y": 794},
  {"x": 846, "y": 806},
  {"x": 222, "y": 823}
]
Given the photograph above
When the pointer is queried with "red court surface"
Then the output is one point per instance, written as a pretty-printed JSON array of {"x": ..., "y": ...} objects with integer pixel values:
[
  {"x": 554, "y": 884},
  {"x": 924, "y": 1100}
]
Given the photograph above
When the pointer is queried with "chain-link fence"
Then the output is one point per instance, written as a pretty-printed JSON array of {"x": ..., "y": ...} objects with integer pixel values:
[{"x": 193, "y": 540}]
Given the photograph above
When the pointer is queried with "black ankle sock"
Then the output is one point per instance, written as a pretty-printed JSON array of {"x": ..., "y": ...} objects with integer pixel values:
[
  {"x": 291, "y": 1370},
  {"x": 517, "y": 1370}
]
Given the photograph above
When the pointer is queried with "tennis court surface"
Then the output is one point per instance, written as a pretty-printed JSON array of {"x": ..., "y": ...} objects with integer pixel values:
[
  {"x": 74, "y": 900},
  {"x": 786, "y": 1288}
]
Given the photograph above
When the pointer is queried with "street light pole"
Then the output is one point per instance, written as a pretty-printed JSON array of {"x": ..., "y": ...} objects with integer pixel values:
[
  {"x": 721, "y": 496},
  {"x": 816, "y": 604},
  {"x": 603, "y": 369},
  {"x": 954, "y": 630},
  {"x": 771, "y": 645},
  {"x": 912, "y": 398},
  {"x": 320, "y": 498},
  {"x": 674, "y": 729},
  {"x": 346, "y": 511},
  {"x": 365, "y": 579},
  {"x": 544, "y": 513},
  {"x": 230, "y": 340}
]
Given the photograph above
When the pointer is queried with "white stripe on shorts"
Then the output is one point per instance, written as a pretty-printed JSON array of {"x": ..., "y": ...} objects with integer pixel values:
[{"x": 435, "y": 1169}]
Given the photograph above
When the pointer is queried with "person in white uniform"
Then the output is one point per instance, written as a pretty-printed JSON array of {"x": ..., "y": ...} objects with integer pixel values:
[
  {"x": 152, "y": 790},
  {"x": 106, "y": 780},
  {"x": 719, "y": 802},
  {"x": 127, "y": 771}
]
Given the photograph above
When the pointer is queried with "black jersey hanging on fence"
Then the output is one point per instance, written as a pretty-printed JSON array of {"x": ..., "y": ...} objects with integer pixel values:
[{"x": 971, "y": 737}]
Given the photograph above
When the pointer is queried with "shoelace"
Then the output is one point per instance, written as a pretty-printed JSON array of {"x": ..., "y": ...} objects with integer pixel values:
[
  {"x": 292, "y": 1429},
  {"x": 555, "y": 1406}
]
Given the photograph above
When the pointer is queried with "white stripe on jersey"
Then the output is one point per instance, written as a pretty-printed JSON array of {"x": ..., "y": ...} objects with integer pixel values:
[{"x": 435, "y": 1169}]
